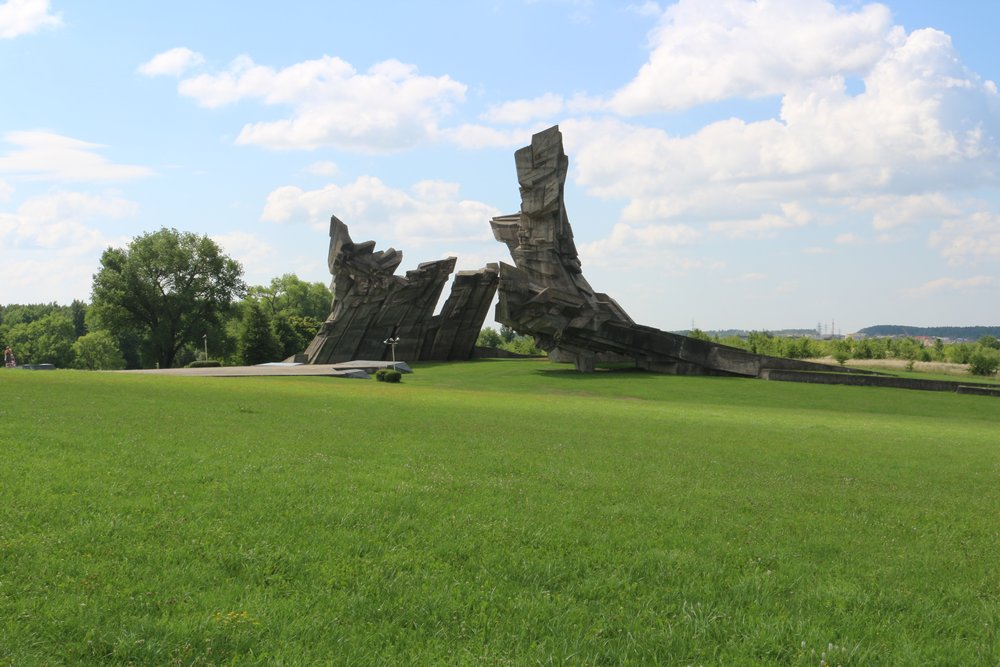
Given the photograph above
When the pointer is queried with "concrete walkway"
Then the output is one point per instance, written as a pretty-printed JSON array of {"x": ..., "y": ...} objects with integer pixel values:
[{"x": 349, "y": 369}]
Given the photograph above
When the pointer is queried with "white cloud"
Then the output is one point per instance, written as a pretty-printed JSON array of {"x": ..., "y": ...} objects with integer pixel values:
[
  {"x": 923, "y": 123},
  {"x": 248, "y": 249},
  {"x": 951, "y": 284},
  {"x": 792, "y": 215},
  {"x": 548, "y": 107},
  {"x": 647, "y": 8},
  {"x": 847, "y": 239},
  {"x": 53, "y": 157},
  {"x": 970, "y": 238},
  {"x": 324, "y": 168},
  {"x": 24, "y": 17},
  {"x": 709, "y": 51},
  {"x": 6, "y": 190},
  {"x": 63, "y": 220},
  {"x": 891, "y": 211},
  {"x": 173, "y": 62},
  {"x": 389, "y": 107},
  {"x": 52, "y": 244},
  {"x": 646, "y": 246},
  {"x": 430, "y": 212},
  {"x": 474, "y": 136}
]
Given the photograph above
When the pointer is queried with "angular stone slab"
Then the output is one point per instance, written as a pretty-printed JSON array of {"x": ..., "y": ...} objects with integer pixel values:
[
  {"x": 545, "y": 294},
  {"x": 372, "y": 305}
]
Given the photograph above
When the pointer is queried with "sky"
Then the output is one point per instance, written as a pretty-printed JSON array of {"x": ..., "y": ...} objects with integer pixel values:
[{"x": 763, "y": 164}]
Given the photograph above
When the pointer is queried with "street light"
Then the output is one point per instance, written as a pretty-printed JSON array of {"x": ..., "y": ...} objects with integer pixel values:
[
  {"x": 392, "y": 341},
  {"x": 204, "y": 337}
]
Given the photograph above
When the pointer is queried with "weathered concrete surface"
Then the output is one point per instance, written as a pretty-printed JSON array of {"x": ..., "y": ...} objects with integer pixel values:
[
  {"x": 957, "y": 386},
  {"x": 545, "y": 294},
  {"x": 371, "y": 305},
  {"x": 264, "y": 370}
]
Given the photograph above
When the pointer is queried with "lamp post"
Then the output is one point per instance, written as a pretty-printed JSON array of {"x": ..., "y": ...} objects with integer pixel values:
[
  {"x": 392, "y": 341},
  {"x": 204, "y": 337}
]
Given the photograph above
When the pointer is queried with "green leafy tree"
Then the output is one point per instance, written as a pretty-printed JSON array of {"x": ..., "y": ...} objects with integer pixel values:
[
  {"x": 984, "y": 361},
  {"x": 959, "y": 353},
  {"x": 989, "y": 341},
  {"x": 258, "y": 342},
  {"x": 169, "y": 287},
  {"x": 698, "y": 334},
  {"x": 78, "y": 311},
  {"x": 47, "y": 340},
  {"x": 97, "y": 351},
  {"x": 488, "y": 337},
  {"x": 522, "y": 345},
  {"x": 842, "y": 351},
  {"x": 295, "y": 332},
  {"x": 290, "y": 295}
]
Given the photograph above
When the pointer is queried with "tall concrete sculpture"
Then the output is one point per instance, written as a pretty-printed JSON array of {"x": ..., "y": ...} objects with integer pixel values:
[
  {"x": 545, "y": 294},
  {"x": 371, "y": 304}
]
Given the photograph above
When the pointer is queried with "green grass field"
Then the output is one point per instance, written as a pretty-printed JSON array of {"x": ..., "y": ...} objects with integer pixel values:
[{"x": 507, "y": 512}]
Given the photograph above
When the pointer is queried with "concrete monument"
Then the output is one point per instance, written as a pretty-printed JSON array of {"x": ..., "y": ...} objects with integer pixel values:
[
  {"x": 545, "y": 294},
  {"x": 372, "y": 305}
]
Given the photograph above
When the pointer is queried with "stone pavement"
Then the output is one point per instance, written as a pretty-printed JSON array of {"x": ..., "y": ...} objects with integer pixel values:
[{"x": 360, "y": 369}]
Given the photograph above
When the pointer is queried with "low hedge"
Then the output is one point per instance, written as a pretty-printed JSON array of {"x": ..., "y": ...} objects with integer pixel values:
[
  {"x": 211, "y": 363},
  {"x": 388, "y": 375}
]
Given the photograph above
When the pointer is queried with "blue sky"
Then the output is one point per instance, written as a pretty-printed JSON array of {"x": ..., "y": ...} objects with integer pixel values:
[{"x": 763, "y": 165}]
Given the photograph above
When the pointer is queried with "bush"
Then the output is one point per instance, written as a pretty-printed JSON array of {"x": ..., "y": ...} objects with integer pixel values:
[
  {"x": 984, "y": 361},
  {"x": 388, "y": 375},
  {"x": 210, "y": 363}
]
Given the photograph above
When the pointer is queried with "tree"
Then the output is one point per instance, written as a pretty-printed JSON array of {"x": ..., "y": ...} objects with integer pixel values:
[
  {"x": 295, "y": 333},
  {"x": 170, "y": 287},
  {"x": 97, "y": 351},
  {"x": 488, "y": 337},
  {"x": 984, "y": 361},
  {"x": 47, "y": 340},
  {"x": 291, "y": 296},
  {"x": 258, "y": 342},
  {"x": 989, "y": 341}
]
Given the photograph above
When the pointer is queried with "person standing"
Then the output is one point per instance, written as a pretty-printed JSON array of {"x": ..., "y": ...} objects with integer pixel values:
[{"x": 8, "y": 358}]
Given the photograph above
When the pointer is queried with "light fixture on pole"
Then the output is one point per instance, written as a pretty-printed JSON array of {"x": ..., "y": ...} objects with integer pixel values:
[
  {"x": 204, "y": 337},
  {"x": 392, "y": 341}
]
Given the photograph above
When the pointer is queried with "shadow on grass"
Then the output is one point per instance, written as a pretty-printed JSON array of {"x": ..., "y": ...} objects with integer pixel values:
[{"x": 601, "y": 372}]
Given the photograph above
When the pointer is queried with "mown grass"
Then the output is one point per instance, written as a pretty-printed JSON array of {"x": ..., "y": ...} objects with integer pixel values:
[{"x": 494, "y": 513}]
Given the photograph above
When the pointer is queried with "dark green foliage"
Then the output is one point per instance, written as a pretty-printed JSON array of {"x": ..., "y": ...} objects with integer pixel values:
[
  {"x": 169, "y": 287},
  {"x": 959, "y": 353},
  {"x": 388, "y": 375},
  {"x": 258, "y": 342},
  {"x": 292, "y": 296},
  {"x": 488, "y": 337},
  {"x": 698, "y": 334},
  {"x": 47, "y": 339},
  {"x": 984, "y": 361},
  {"x": 990, "y": 341},
  {"x": 78, "y": 310},
  {"x": 294, "y": 332},
  {"x": 98, "y": 351}
]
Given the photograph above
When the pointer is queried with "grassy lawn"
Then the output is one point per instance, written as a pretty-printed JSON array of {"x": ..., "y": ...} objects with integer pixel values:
[{"x": 507, "y": 512}]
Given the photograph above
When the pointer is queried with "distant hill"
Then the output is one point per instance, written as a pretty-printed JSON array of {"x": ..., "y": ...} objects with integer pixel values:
[
  {"x": 969, "y": 333},
  {"x": 742, "y": 333}
]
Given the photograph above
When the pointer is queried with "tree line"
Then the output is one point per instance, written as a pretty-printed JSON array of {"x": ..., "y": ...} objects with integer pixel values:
[
  {"x": 982, "y": 357},
  {"x": 160, "y": 302}
]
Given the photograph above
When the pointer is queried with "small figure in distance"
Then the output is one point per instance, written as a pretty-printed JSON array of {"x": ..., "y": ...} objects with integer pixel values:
[{"x": 8, "y": 358}]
